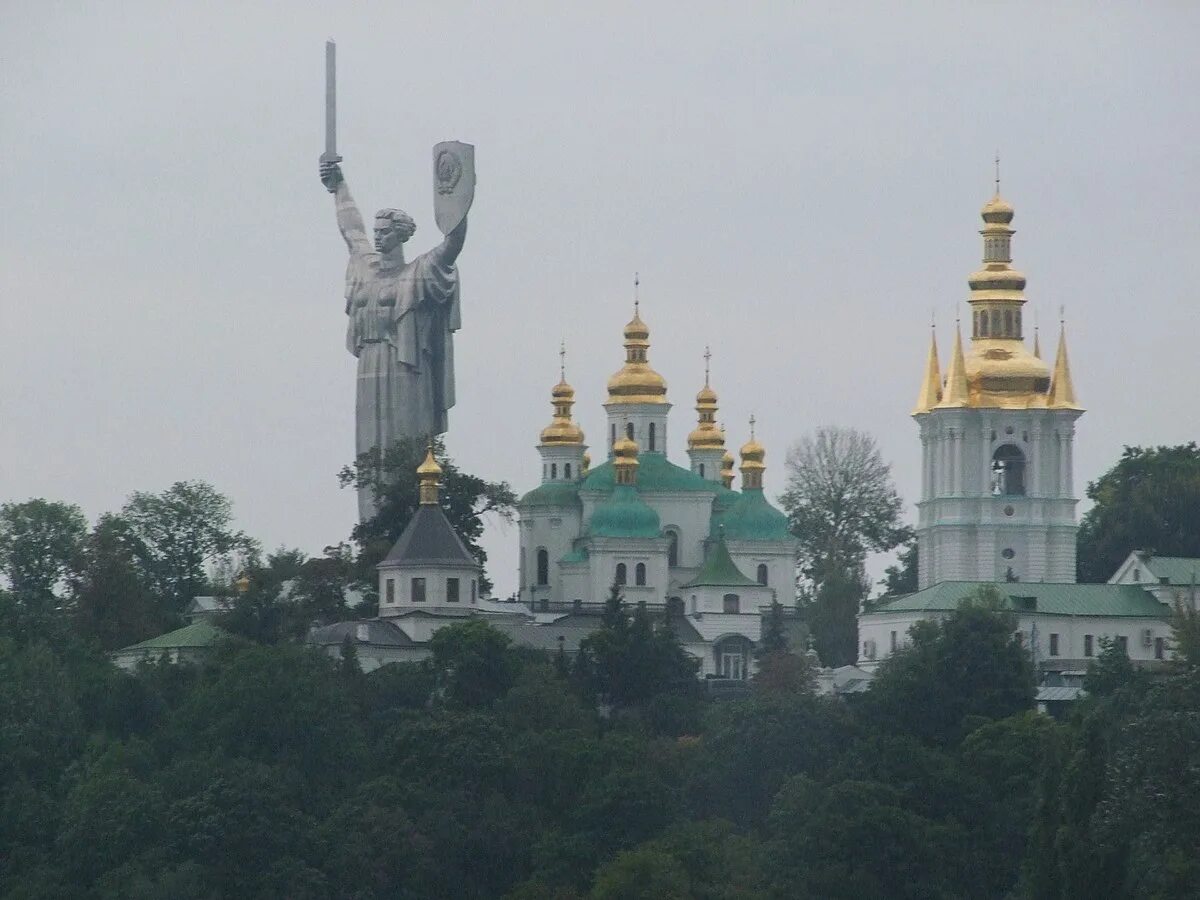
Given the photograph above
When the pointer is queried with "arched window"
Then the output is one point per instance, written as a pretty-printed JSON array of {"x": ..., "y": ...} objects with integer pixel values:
[
  {"x": 652, "y": 445},
  {"x": 731, "y": 603},
  {"x": 762, "y": 573},
  {"x": 613, "y": 432},
  {"x": 553, "y": 470},
  {"x": 701, "y": 472},
  {"x": 543, "y": 566},
  {"x": 567, "y": 471},
  {"x": 639, "y": 575},
  {"x": 672, "y": 549},
  {"x": 983, "y": 323},
  {"x": 629, "y": 430},
  {"x": 621, "y": 578},
  {"x": 1008, "y": 323},
  {"x": 1008, "y": 471}
]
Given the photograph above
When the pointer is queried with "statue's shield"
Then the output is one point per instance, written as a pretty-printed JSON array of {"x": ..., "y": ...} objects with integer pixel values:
[{"x": 453, "y": 183}]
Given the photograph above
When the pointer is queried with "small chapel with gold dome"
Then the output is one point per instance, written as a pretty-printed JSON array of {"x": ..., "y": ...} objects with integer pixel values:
[{"x": 669, "y": 535}]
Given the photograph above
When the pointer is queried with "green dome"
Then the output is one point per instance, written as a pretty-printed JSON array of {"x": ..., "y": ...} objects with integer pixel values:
[
  {"x": 655, "y": 473},
  {"x": 626, "y": 515},
  {"x": 752, "y": 518},
  {"x": 557, "y": 494}
]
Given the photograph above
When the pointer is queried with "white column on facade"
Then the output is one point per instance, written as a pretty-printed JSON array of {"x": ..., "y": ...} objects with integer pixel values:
[
  {"x": 985, "y": 457},
  {"x": 1062, "y": 462},
  {"x": 1035, "y": 464},
  {"x": 1070, "y": 474},
  {"x": 957, "y": 437}
]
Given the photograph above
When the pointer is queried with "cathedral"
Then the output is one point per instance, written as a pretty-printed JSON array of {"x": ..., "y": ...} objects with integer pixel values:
[{"x": 669, "y": 536}]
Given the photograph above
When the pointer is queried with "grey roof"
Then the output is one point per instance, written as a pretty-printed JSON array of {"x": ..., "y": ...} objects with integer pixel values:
[
  {"x": 1050, "y": 694},
  {"x": 685, "y": 631},
  {"x": 430, "y": 540},
  {"x": 545, "y": 637},
  {"x": 376, "y": 632}
]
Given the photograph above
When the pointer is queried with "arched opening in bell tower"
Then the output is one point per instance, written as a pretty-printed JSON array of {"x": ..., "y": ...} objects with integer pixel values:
[{"x": 1008, "y": 471}]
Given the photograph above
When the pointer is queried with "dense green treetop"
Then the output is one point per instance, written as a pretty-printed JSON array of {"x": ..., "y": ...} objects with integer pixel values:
[{"x": 1150, "y": 500}]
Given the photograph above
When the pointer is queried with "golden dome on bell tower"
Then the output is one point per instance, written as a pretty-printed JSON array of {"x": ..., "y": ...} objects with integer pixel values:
[
  {"x": 706, "y": 435},
  {"x": 562, "y": 430},
  {"x": 636, "y": 382}
]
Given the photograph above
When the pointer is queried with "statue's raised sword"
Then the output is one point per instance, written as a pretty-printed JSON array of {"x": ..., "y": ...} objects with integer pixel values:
[{"x": 330, "y": 155}]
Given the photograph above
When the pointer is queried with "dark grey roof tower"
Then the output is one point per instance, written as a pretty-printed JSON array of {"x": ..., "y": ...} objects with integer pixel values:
[{"x": 429, "y": 566}]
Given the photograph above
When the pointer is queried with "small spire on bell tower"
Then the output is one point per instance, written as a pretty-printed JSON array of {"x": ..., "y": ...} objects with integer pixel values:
[
  {"x": 931, "y": 385},
  {"x": 997, "y": 173}
]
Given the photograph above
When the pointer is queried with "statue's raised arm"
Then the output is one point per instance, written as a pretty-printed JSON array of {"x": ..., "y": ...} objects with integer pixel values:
[{"x": 349, "y": 219}]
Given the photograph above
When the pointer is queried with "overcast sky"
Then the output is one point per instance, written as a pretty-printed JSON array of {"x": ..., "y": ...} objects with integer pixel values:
[{"x": 798, "y": 187}]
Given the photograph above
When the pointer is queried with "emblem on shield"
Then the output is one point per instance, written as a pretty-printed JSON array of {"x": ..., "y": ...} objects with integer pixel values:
[{"x": 453, "y": 183}]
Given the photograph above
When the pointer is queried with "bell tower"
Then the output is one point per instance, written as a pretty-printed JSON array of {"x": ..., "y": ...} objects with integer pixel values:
[{"x": 997, "y": 437}]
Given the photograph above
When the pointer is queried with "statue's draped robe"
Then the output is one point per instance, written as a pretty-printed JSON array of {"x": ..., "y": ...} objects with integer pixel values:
[{"x": 401, "y": 325}]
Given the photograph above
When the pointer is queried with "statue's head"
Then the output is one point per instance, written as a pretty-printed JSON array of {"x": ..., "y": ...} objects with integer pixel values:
[{"x": 392, "y": 228}]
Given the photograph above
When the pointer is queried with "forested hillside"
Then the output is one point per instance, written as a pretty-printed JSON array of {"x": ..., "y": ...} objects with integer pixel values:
[{"x": 275, "y": 772}]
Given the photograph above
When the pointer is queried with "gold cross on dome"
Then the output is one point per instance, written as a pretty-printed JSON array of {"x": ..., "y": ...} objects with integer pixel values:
[{"x": 707, "y": 357}]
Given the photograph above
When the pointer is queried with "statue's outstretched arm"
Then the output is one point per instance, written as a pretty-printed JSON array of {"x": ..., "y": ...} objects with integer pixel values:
[
  {"x": 452, "y": 246},
  {"x": 349, "y": 219}
]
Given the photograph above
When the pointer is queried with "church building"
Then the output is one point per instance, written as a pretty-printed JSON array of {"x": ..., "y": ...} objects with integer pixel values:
[
  {"x": 667, "y": 535},
  {"x": 997, "y": 503}
]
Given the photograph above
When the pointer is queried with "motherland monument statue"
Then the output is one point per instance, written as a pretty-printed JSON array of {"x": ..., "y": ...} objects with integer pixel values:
[{"x": 402, "y": 313}]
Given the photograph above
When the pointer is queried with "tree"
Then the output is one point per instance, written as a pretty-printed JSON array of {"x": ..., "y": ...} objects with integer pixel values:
[
  {"x": 466, "y": 500},
  {"x": 1110, "y": 671},
  {"x": 902, "y": 578},
  {"x": 641, "y": 874},
  {"x": 856, "y": 839},
  {"x": 38, "y": 540},
  {"x": 969, "y": 665},
  {"x": 180, "y": 531},
  {"x": 472, "y": 662},
  {"x": 842, "y": 505},
  {"x": 111, "y": 593},
  {"x": 778, "y": 668},
  {"x": 1150, "y": 500},
  {"x": 629, "y": 659}
]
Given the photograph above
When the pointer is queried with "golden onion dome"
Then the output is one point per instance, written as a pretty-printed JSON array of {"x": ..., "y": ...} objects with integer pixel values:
[
  {"x": 997, "y": 211},
  {"x": 430, "y": 465},
  {"x": 1002, "y": 372},
  {"x": 636, "y": 382},
  {"x": 706, "y": 435},
  {"x": 636, "y": 329},
  {"x": 625, "y": 450},
  {"x": 562, "y": 430},
  {"x": 753, "y": 453}
]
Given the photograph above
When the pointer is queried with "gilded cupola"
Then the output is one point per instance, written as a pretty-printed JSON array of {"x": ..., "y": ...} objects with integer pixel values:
[
  {"x": 636, "y": 382},
  {"x": 753, "y": 453},
  {"x": 1000, "y": 371},
  {"x": 429, "y": 474},
  {"x": 625, "y": 461},
  {"x": 706, "y": 435},
  {"x": 562, "y": 430}
]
